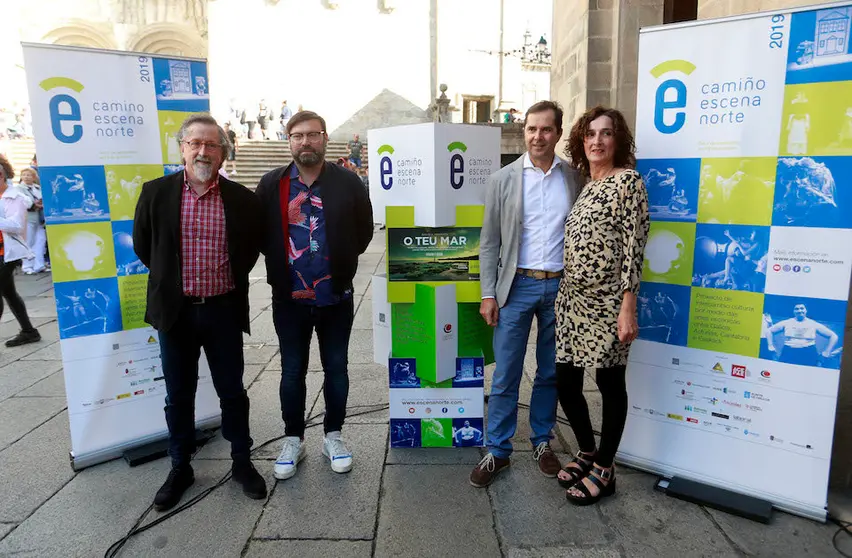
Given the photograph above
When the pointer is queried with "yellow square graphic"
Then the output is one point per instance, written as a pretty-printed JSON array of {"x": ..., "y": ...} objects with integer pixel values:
[
  {"x": 737, "y": 190},
  {"x": 81, "y": 251},
  {"x": 124, "y": 184},
  {"x": 170, "y": 122},
  {"x": 817, "y": 119}
]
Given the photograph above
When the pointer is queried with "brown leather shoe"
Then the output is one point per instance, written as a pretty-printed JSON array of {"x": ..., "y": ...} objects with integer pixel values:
[
  {"x": 483, "y": 474},
  {"x": 548, "y": 463}
]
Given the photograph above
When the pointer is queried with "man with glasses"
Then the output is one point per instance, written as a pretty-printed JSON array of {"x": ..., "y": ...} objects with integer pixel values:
[
  {"x": 197, "y": 232},
  {"x": 318, "y": 221}
]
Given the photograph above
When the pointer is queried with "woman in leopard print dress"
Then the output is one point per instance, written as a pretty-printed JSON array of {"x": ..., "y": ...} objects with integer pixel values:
[{"x": 596, "y": 318}]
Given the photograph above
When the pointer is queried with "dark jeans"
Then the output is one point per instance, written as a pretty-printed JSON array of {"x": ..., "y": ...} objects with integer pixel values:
[
  {"x": 295, "y": 324},
  {"x": 613, "y": 387},
  {"x": 8, "y": 292},
  {"x": 213, "y": 327}
]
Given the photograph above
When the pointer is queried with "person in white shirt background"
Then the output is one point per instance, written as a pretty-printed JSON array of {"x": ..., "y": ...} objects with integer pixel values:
[
  {"x": 800, "y": 338},
  {"x": 14, "y": 203},
  {"x": 36, "y": 236}
]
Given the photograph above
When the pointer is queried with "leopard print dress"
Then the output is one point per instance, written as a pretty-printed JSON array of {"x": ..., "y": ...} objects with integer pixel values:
[{"x": 605, "y": 237}]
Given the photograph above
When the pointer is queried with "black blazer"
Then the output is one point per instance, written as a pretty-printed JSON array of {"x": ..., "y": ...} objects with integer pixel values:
[
  {"x": 349, "y": 226},
  {"x": 156, "y": 240}
]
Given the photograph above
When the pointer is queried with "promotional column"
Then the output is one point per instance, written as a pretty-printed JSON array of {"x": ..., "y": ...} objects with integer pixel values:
[
  {"x": 746, "y": 151},
  {"x": 104, "y": 123},
  {"x": 430, "y": 184}
]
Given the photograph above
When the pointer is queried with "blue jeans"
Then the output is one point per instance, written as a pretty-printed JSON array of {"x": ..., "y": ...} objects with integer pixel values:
[
  {"x": 213, "y": 327},
  {"x": 294, "y": 324},
  {"x": 528, "y": 297}
]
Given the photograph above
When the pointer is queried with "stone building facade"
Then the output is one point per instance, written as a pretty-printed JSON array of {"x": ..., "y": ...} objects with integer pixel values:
[{"x": 595, "y": 50}]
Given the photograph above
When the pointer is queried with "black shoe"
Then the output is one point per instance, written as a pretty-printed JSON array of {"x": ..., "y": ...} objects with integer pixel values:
[
  {"x": 23, "y": 338},
  {"x": 244, "y": 473},
  {"x": 179, "y": 479}
]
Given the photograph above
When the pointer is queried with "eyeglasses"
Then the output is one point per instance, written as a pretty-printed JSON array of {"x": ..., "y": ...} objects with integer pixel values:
[
  {"x": 195, "y": 145},
  {"x": 312, "y": 137}
]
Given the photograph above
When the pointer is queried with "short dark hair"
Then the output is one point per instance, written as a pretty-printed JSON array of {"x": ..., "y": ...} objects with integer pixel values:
[
  {"x": 543, "y": 106},
  {"x": 304, "y": 116},
  {"x": 7, "y": 167},
  {"x": 625, "y": 148}
]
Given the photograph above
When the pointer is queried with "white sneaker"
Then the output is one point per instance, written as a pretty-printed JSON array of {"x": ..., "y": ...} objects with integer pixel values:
[
  {"x": 292, "y": 452},
  {"x": 337, "y": 452}
]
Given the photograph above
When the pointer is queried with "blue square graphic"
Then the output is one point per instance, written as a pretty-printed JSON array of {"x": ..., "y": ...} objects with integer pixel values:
[
  {"x": 89, "y": 307},
  {"x": 663, "y": 313},
  {"x": 405, "y": 433},
  {"x": 181, "y": 85},
  {"x": 672, "y": 186},
  {"x": 470, "y": 372},
  {"x": 403, "y": 373},
  {"x": 74, "y": 194},
  {"x": 126, "y": 260},
  {"x": 813, "y": 192},
  {"x": 819, "y": 49},
  {"x": 803, "y": 331},
  {"x": 731, "y": 257},
  {"x": 468, "y": 432}
]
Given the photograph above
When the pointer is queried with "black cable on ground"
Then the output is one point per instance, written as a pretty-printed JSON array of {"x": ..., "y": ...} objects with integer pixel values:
[
  {"x": 845, "y": 527},
  {"x": 135, "y": 530}
]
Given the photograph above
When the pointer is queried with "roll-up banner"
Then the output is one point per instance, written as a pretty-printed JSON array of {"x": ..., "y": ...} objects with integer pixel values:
[{"x": 104, "y": 123}]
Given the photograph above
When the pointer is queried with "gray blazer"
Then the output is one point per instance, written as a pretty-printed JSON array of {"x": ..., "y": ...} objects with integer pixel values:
[{"x": 500, "y": 238}]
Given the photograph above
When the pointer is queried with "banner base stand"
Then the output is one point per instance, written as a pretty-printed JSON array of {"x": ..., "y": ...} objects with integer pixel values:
[
  {"x": 727, "y": 501},
  {"x": 155, "y": 450}
]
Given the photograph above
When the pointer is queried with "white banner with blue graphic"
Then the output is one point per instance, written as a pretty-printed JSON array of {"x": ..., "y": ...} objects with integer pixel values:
[
  {"x": 744, "y": 135},
  {"x": 104, "y": 123}
]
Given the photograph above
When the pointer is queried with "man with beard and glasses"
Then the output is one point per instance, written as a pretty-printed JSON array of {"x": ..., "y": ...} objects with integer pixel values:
[
  {"x": 197, "y": 232},
  {"x": 318, "y": 221}
]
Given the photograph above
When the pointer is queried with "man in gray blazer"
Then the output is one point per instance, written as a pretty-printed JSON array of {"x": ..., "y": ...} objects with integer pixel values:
[{"x": 521, "y": 251}]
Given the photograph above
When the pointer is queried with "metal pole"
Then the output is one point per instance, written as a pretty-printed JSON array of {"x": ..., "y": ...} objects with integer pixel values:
[
  {"x": 433, "y": 50},
  {"x": 500, "y": 70}
]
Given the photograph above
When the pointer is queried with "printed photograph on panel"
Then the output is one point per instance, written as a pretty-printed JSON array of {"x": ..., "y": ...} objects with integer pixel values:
[
  {"x": 669, "y": 253},
  {"x": 468, "y": 432},
  {"x": 403, "y": 373},
  {"x": 126, "y": 260},
  {"x": 731, "y": 257},
  {"x": 817, "y": 119},
  {"x": 803, "y": 331},
  {"x": 813, "y": 192},
  {"x": 436, "y": 432},
  {"x": 736, "y": 191},
  {"x": 663, "y": 312},
  {"x": 81, "y": 251},
  {"x": 672, "y": 186},
  {"x": 181, "y": 85},
  {"x": 405, "y": 433},
  {"x": 88, "y": 307},
  {"x": 124, "y": 184},
  {"x": 819, "y": 46},
  {"x": 74, "y": 194}
]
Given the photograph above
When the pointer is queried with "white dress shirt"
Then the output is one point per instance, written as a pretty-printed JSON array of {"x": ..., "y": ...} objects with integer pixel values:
[{"x": 546, "y": 208}]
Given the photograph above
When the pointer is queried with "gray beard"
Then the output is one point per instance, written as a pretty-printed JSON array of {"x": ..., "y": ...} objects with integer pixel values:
[{"x": 203, "y": 171}]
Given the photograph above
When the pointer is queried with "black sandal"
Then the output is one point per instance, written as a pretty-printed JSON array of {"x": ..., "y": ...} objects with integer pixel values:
[
  {"x": 584, "y": 462},
  {"x": 604, "y": 490}
]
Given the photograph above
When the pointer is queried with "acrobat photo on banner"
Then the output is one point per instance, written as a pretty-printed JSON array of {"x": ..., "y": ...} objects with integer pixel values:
[
  {"x": 736, "y": 190},
  {"x": 807, "y": 193},
  {"x": 819, "y": 46},
  {"x": 403, "y": 373},
  {"x": 672, "y": 186},
  {"x": 468, "y": 432},
  {"x": 74, "y": 194},
  {"x": 663, "y": 312},
  {"x": 126, "y": 260},
  {"x": 803, "y": 331},
  {"x": 405, "y": 433},
  {"x": 731, "y": 257},
  {"x": 87, "y": 307}
]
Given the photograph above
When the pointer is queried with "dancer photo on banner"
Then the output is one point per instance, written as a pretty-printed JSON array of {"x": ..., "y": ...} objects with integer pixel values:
[{"x": 731, "y": 257}]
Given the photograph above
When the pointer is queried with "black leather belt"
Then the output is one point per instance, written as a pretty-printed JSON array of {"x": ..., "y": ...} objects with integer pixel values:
[
  {"x": 206, "y": 299},
  {"x": 539, "y": 274}
]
